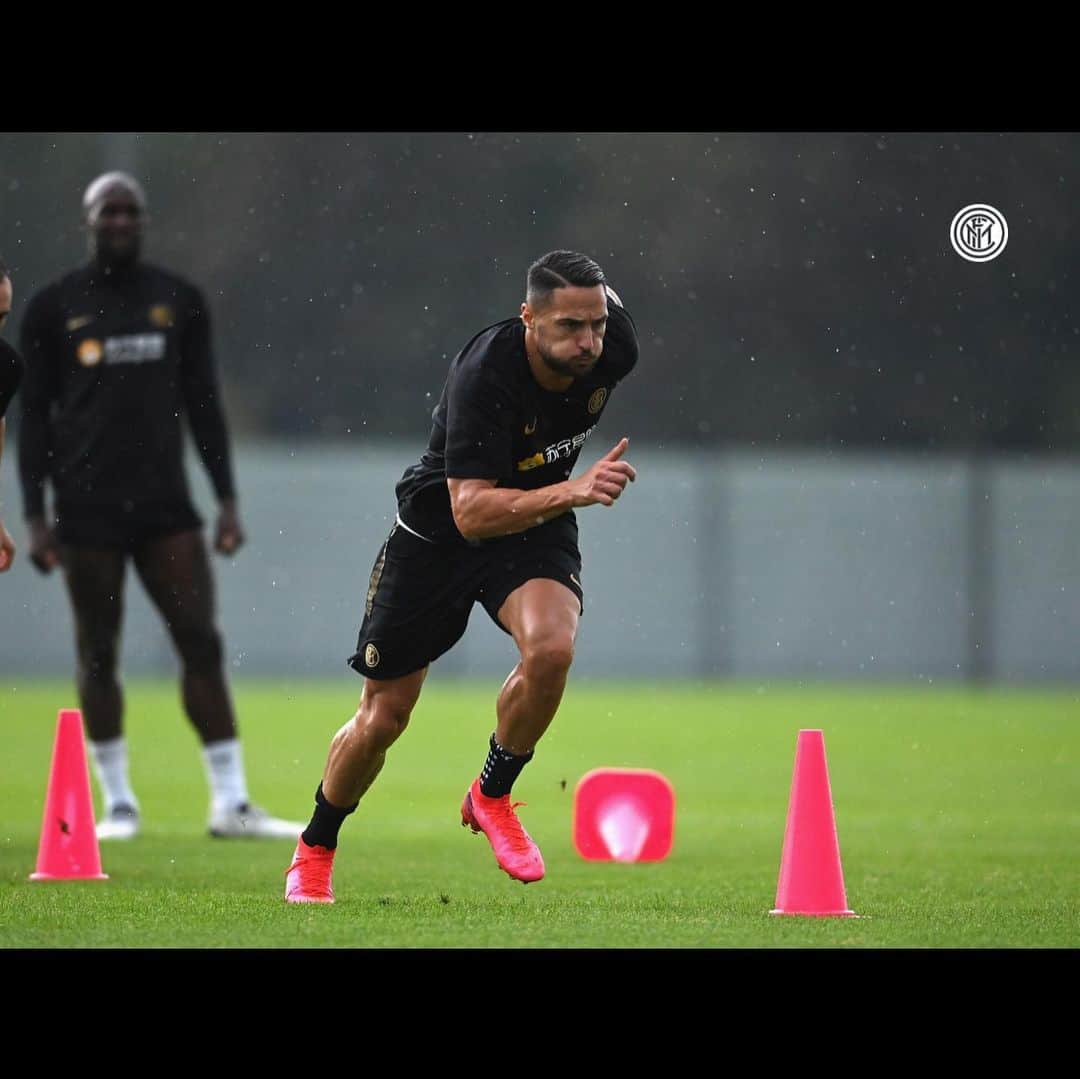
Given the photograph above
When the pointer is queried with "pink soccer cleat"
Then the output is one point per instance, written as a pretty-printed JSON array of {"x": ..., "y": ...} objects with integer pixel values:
[
  {"x": 307, "y": 880},
  {"x": 515, "y": 851}
]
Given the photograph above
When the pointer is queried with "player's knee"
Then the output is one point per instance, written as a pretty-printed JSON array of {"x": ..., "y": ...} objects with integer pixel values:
[
  {"x": 383, "y": 722},
  {"x": 201, "y": 649},
  {"x": 549, "y": 655},
  {"x": 97, "y": 661}
]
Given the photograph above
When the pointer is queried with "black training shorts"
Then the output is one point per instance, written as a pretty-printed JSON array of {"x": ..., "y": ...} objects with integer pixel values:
[
  {"x": 420, "y": 593},
  {"x": 124, "y": 527}
]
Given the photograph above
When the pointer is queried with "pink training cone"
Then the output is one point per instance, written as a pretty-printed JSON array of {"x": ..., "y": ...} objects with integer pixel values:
[
  {"x": 69, "y": 847},
  {"x": 811, "y": 880},
  {"x": 623, "y": 815}
]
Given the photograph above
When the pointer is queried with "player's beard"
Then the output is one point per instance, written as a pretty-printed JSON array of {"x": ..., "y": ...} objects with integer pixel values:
[
  {"x": 572, "y": 368},
  {"x": 116, "y": 256}
]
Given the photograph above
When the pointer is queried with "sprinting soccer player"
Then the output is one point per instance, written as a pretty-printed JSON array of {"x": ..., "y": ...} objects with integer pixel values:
[
  {"x": 115, "y": 351},
  {"x": 487, "y": 515},
  {"x": 11, "y": 370}
]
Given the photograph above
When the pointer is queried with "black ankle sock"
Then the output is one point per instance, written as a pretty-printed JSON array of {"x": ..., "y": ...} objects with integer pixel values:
[
  {"x": 326, "y": 822},
  {"x": 501, "y": 769}
]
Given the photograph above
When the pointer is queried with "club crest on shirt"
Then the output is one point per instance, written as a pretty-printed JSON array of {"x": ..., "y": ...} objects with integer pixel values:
[
  {"x": 89, "y": 352},
  {"x": 371, "y": 656},
  {"x": 596, "y": 402},
  {"x": 161, "y": 314}
]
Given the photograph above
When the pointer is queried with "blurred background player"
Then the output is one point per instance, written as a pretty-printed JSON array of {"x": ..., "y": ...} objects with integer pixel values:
[
  {"x": 115, "y": 351},
  {"x": 487, "y": 516},
  {"x": 11, "y": 370}
]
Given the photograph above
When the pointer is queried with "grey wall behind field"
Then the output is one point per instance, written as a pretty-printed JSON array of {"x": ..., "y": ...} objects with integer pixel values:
[{"x": 740, "y": 564}]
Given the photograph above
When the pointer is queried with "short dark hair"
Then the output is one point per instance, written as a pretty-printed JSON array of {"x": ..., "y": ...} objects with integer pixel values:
[{"x": 560, "y": 269}]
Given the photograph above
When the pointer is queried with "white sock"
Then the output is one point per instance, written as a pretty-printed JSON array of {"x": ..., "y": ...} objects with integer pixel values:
[
  {"x": 111, "y": 767},
  {"x": 225, "y": 774}
]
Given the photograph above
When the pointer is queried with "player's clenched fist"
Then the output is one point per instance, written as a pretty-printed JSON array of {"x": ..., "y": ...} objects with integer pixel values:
[{"x": 606, "y": 480}]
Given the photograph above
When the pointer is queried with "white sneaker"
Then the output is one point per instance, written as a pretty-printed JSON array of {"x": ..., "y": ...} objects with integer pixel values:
[
  {"x": 121, "y": 822},
  {"x": 249, "y": 821}
]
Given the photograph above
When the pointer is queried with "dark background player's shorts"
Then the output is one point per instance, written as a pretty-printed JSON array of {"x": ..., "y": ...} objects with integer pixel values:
[
  {"x": 420, "y": 594},
  {"x": 126, "y": 526}
]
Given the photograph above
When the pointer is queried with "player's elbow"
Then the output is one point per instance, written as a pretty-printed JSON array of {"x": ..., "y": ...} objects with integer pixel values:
[
  {"x": 469, "y": 518},
  {"x": 465, "y": 519},
  {"x": 467, "y": 504}
]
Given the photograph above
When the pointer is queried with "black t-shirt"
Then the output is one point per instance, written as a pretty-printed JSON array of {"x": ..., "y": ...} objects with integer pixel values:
[
  {"x": 112, "y": 360},
  {"x": 494, "y": 421},
  {"x": 11, "y": 372}
]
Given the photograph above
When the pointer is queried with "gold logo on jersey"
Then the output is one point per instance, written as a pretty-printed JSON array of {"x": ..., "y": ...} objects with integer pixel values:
[
  {"x": 535, "y": 461},
  {"x": 371, "y": 656},
  {"x": 90, "y": 352},
  {"x": 161, "y": 314},
  {"x": 596, "y": 402},
  {"x": 529, "y": 428},
  {"x": 78, "y": 322}
]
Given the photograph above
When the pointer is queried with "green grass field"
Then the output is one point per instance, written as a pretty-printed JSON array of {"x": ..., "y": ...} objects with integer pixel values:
[{"x": 958, "y": 814}]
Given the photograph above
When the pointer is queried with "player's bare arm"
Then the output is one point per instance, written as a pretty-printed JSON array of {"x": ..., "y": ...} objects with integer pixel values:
[
  {"x": 11, "y": 369},
  {"x": 482, "y": 510},
  {"x": 7, "y": 544},
  {"x": 229, "y": 536},
  {"x": 44, "y": 547}
]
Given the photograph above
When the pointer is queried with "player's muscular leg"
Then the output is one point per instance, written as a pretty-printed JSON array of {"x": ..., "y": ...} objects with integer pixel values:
[
  {"x": 175, "y": 571},
  {"x": 95, "y": 583},
  {"x": 358, "y": 750},
  {"x": 542, "y": 615}
]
